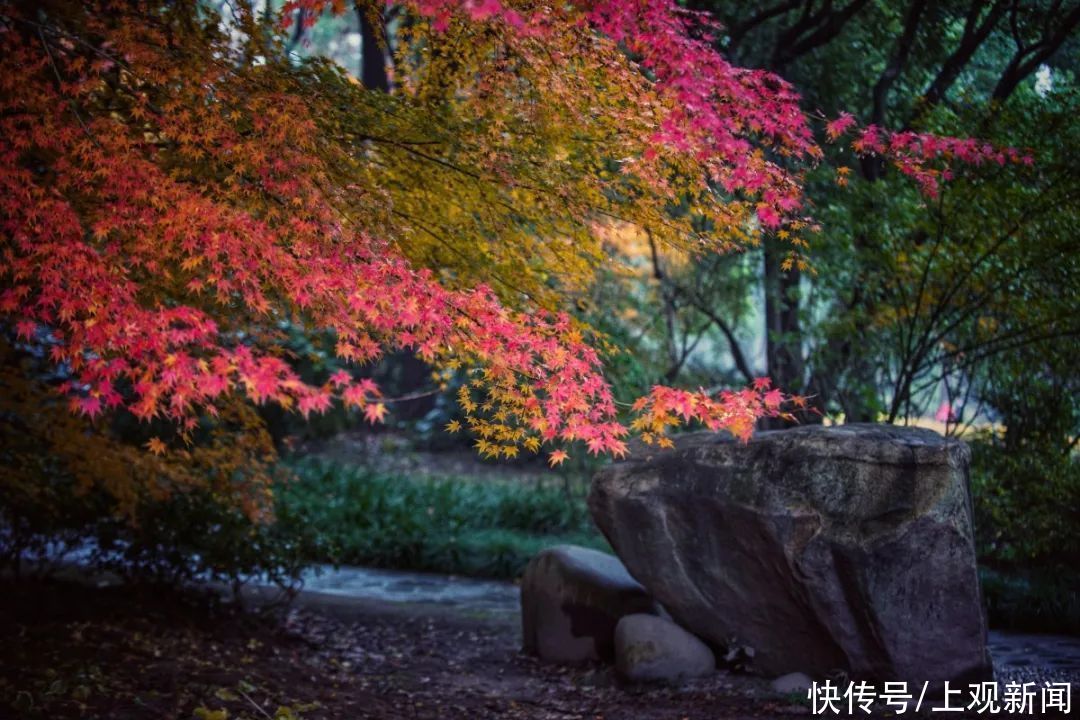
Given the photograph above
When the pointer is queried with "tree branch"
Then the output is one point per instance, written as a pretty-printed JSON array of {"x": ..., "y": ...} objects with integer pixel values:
[
  {"x": 1027, "y": 59},
  {"x": 828, "y": 25},
  {"x": 896, "y": 64},
  {"x": 733, "y": 343},
  {"x": 738, "y": 32},
  {"x": 669, "y": 311},
  {"x": 975, "y": 33}
]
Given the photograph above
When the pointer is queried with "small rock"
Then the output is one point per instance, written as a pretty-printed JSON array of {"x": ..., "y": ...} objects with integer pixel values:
[
  {"x": 648, "y": 647},
  {"x": 572, "y": 598},
  {"x": 795, "y": 682},
  {"x": 738, "y": 657}
]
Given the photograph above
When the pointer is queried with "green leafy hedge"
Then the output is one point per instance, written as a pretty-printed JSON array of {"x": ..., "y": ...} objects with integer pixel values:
[{"x": 448, "y": 525}]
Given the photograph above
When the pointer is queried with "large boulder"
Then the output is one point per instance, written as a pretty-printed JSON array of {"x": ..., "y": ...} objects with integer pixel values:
[
  {"x": 571, "y": 600},
  {"x": 649, "y": 647},
  {"x": 846, "y": 548}
]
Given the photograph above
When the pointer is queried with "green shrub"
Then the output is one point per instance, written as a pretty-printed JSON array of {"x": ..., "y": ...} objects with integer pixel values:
[
  {"x": 445, "y": 525},
  {"x": 1027, "y": 507},
  {"x": 324, "y": 513},
  {"x": 1027, "y": 529},
  {"x": 189, "y": 536}
]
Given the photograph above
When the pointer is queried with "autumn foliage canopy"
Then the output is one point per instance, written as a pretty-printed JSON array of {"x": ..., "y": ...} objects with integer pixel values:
[{"x": 174, "y": 185}]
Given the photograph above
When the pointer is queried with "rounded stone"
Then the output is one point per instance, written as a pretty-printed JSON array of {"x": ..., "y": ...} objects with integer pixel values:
[
  {"x": 571, "y": 600},
  {"x": 650, "y": 648},
  {"x": 795, "y": 682}
]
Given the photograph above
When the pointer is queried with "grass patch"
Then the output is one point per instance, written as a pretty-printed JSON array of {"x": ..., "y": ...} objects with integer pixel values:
[{"x": 449, "y": 525}]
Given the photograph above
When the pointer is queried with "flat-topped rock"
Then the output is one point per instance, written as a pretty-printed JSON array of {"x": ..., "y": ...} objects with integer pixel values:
[
  {"x": 843, "y": 548},
  {"x": 571, "y": 600}
]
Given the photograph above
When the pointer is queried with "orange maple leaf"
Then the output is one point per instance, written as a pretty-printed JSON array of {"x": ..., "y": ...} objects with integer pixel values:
[{"x": 557, "y": 458}]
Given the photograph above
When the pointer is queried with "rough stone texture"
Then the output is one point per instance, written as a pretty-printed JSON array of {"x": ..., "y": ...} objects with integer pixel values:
[
  {"x": 847, "y": 548},
  {"x": 650, "y": 648},
  {"x": 571, "y": 600}
]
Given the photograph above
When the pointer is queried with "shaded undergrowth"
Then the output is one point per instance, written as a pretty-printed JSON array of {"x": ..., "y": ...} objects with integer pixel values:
[{"x": 449, "y": 525}]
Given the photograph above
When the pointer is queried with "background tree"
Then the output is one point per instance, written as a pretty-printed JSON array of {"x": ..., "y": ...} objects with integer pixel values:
[{"x": 926, "y": 65}]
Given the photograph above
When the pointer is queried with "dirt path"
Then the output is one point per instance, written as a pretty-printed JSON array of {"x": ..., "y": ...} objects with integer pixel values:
[
  {"x": 439, "y": 664},
  {"x": 72, "y": 651}
]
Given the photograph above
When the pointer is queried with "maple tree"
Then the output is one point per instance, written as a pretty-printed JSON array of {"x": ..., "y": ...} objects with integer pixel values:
[{"x": 175, "y": 186}]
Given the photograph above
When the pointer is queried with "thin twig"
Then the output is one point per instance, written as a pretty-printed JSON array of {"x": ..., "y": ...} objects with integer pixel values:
[
  {"x": 60, "y": 84},
  {"x": 412, "y": 396},
  {"x": 255, "y": 704}
]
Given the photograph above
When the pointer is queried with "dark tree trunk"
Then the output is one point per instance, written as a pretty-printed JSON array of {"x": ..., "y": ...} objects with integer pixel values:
[
  {"x": 405, "y": 370},
  {"x": 783, "y": 330},
  {"x": 373, "y": 63}
]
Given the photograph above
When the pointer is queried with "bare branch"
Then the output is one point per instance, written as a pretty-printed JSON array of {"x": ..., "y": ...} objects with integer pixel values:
[
  {"x": 975, "y": 34},
  {"x": 899, "y": 59},
  {"x": 738, "y": 32},
  {"x": 820, "y": 31},
  {"x": 1027, "y": 59},
  {"x": 733, "y": 342}
]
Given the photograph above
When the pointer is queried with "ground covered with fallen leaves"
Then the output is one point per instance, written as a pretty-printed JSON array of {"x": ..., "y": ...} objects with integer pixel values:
[{"x": 75, "y": 651}]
